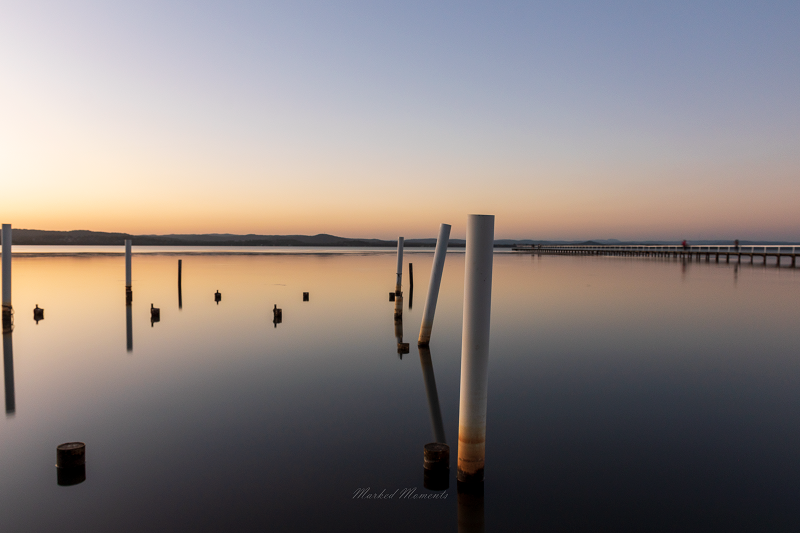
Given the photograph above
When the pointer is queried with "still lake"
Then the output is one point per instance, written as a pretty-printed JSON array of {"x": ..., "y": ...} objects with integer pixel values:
[{"x": 624, "y": 394}]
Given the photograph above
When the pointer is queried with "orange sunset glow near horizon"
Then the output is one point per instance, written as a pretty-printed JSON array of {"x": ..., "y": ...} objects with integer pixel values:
[{"x": 652, "y": 122}]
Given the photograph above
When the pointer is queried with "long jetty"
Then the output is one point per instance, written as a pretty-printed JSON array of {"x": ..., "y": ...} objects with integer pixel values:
[{"x": 693, "y": 252}]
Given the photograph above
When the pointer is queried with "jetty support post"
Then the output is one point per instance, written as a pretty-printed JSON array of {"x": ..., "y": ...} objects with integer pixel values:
[
  {"x": 7, "y": 309},
  {"x": 398, "y": 289},
  {"x": 475, "y": 348},
  {"x": 433, "y": 287},
  {"x": 127, "y": 263}
]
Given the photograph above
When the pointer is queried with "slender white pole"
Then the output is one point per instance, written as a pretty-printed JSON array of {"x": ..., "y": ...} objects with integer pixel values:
[
  {"x": 433, "y": 287},
  {"x": 399, "y": 286},
  {"x": 6, "y": 268},
  {"x": 128, "y": 263},
  {"x": 475, "y": 347}
]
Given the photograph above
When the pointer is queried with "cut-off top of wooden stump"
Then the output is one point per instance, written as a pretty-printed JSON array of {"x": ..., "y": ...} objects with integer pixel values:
[{"x": 70, "y": 454}]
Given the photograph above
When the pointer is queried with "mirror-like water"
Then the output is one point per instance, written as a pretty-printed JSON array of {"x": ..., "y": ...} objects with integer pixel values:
[{"x": 623, "y": 394}]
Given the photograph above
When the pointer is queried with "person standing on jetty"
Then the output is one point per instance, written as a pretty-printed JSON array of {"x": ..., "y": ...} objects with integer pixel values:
[
  {"x": 685, "y": 244},
  {"x": 736, "y": 245}
]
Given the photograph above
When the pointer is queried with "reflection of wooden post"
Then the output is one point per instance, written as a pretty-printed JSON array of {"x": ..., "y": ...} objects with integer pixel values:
[
  {"x": 180, "y": 289},
  {"x": 475, "y": 347},
  {"x": 399, "y": 285},
  {"x": 8, "y": 374},
  {"x": 433, "y": 287},
  {"x": 7, "y": 309}
]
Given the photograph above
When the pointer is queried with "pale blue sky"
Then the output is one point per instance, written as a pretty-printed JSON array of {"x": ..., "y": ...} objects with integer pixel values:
[{"x": 565, "y": 119}]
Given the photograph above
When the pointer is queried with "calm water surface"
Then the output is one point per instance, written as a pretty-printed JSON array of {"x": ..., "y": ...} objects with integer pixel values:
[{"x": 624, "y": 394}]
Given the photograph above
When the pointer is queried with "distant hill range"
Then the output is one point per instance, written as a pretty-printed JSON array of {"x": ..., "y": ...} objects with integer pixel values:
[{"x": 88, "y": 238}]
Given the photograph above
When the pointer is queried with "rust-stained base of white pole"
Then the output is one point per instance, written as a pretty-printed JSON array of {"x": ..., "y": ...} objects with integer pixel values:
[{"x": 475, "y": 348}]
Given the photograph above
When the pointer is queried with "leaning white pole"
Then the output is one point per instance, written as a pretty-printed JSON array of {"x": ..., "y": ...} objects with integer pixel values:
[
  {"x": 433, "y": 287},
  {"x": 6, "y": 269},
  {"x": 475, "y": 347},
  {"x": 128, "y": 263},
  {"x": 399, "y": 286}
]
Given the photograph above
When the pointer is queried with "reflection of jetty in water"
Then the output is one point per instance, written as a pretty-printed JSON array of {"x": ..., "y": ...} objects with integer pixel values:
[{"x": 8, "y": 373}]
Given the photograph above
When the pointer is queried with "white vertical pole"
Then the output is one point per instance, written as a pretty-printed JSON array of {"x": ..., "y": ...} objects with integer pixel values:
[
  {"x": 433, "y": 287},
  {"x": 399, "y": 286},
  {"x": 475, "y": 347},
  {"x": 6, "y": 268},
  {"x": 128, "y": 263}
]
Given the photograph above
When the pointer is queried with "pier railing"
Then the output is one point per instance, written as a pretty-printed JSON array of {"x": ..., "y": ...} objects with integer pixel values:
[{"x": 698, "y": 251}]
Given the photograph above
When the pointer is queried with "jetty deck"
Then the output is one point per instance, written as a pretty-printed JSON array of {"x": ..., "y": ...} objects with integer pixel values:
[{"x": 783, "y": 254}]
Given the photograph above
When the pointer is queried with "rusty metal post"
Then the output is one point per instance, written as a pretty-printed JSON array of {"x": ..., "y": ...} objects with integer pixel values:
[
  {"x": 433, "y": 287},
  {"x": 475, "y": 348}
]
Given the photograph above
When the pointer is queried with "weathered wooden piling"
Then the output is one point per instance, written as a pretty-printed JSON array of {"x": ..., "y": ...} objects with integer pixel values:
[
  {"x": 398, "y": 307},
  {"x": 8, "y": 374},
  {"x": 128, "y": 263},
  {"x": 436, "y": 466},
  {"x": 71, "y": 463},
  {"x": 433, "y": 287},
  {"x": 411, "y": 276},
  {"x": 475, "y": 348},
  {"x": 7, "y": 310},
  {"x": 399, "y": 284},
  {"x": 70, "y": 454}
]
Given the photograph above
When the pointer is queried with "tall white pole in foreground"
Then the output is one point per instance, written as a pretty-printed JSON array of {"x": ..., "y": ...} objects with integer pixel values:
[
  {"x": 433, "y": 287},
  {"x": 128, "y": 263},
  {"x": 399, "y": 286},
  {"x": 7, "y": 271},
  {"x": 475, "y": 347}
]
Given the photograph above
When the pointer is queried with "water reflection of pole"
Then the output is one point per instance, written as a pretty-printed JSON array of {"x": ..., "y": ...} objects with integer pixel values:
[
  {"x": 180, "y": 293},
  {"x": 8, "y": 374},
  {"x": 437, "y": 426},
  {"x": 433, "y": 287},
  {"x": 470, "y": 509},
  {"x": 475, "y": 348},
  {"x": 129, "y": 322}
]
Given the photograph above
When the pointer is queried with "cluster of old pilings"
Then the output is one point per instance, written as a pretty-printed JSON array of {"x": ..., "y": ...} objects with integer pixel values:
[{"x": 784, "y": 255}]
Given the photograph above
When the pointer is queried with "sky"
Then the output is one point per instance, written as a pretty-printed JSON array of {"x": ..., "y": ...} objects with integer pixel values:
[{"x": 566, "y": 120}]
